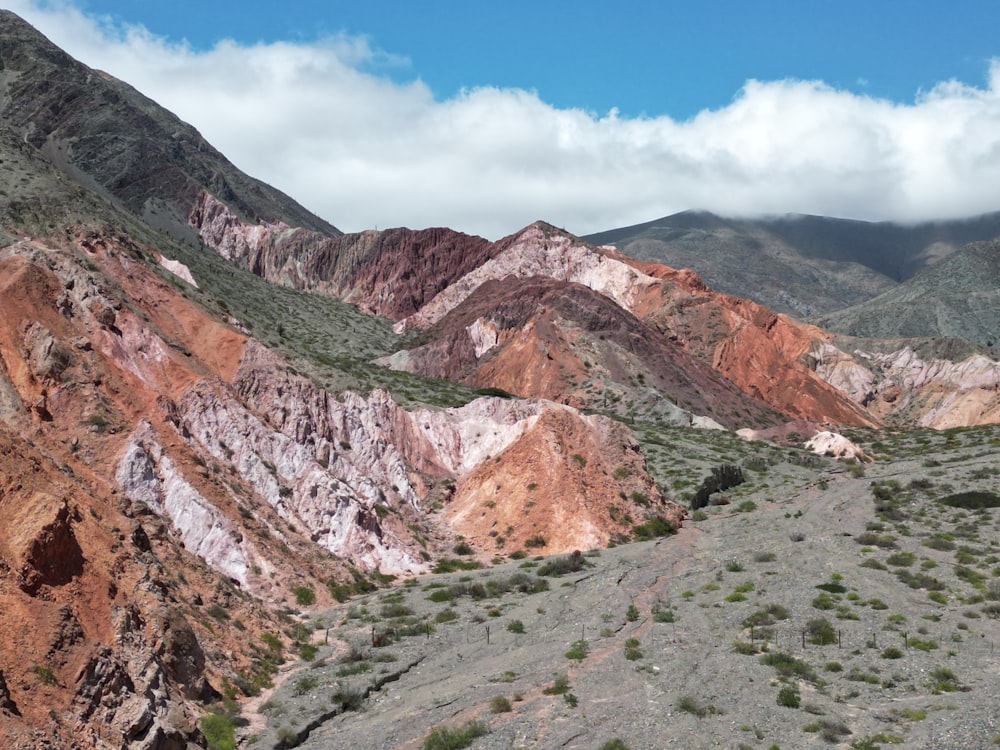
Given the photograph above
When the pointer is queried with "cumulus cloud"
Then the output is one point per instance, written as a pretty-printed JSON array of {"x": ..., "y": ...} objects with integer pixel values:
[{"x": 362, "y": 150}]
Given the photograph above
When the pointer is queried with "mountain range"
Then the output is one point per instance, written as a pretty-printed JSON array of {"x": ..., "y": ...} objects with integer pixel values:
[{"x": 216, "y": 407}]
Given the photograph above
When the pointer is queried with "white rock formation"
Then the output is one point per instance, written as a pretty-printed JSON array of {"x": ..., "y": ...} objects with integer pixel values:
[
  {"x": 146, "y": 474},
  {"x": 833, "y": 444}
]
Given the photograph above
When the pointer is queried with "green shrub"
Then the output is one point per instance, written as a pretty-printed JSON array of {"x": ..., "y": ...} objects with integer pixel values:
[
  {"x": 632, "y": 613},
  {"x": 632, "y": 650},
  {"x": 561, "y": 565},
  {"x": 653, "y": 528},
  {"x": 446, "y": 615},
  {"x": 787, "y": 665},
  {"x": 304, "y": 595},
  {"x": 515, "y": 626},
  {"x": 974, "y": 500},
  {"x": 578, "y": 650},
  {"x": 690, "y": 704},
  {"x": 820, "y": 632},
  {"x": 615, "y": 744},
  {"x": 901, "y": 559},
  {"x": 454, "y": 738},
  {"x": 769, "y": 615},
  {"x": 892, "y": 653},
  {"x": 219, "y": 731},
  {"x": 500, "y": 705},
  {"x": 789, "y": 697},
  {"x": 534, "y": 542},
  {"x": 559, "y": 686}
]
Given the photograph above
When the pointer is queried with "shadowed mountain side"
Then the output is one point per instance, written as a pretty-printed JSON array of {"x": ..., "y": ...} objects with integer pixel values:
[
  {"x": 960, "y": 296},
  {"x": 539, "y": 337},
  {"x": 108, "y": 137},
  {"x": 804, "y": 265}
]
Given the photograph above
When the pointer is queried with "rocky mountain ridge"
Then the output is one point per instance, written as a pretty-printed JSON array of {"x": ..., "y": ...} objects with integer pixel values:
[
  {"x": 802, "y": 265},
  {"x": 174, "y": 483}
]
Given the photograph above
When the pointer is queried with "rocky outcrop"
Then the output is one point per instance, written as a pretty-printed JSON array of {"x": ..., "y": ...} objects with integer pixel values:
[
  {"x": 826, "y": 443},
  {"x": 7, "y": 704},
  {"x": 542, "y": 338},
  {"x": 41, "y": 543},
  {"x": 567, "y": 482},
  {"x": 541, "y": 250},
  {"x": 902, "y": 386},
  {"x": 392, "y": 273},
  {"x": 147, "y": 475}
]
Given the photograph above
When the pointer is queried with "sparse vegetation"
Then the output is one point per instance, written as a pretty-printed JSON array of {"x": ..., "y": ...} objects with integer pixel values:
[{"x": 454, "y": 738}]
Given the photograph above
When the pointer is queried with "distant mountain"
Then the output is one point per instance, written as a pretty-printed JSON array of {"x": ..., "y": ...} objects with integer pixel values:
[
  {"x": 803, "y": 265},
  {"x": 959, "y": 296}
]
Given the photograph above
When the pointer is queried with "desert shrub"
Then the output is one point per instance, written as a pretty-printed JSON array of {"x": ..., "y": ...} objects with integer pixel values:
[
  {"x": 561, "y": 565},
  {"x": 901, "y": 559},
  {"x": 722, "y": 478},
  {"x": 769, "y": 615},
  {"x": 632, "y": 613},
  {"x": 446, "y": 615},
  {"x": 615, "y": 744},
  {"x": 830, "y": 730},
  {"x": 500, "y": 705},
  {"x": 787, "y": 665},
  {"x": 219, "y": 731},
  {"x": 559, "y": 686},
  {"x": 820, "y": 632},
  {"x": 304, "y": 595},
  {"x": 394, "y": 610},
  {"x": 921, "y": 644},
  {"x": 353, "y": 668},
  {"x": 663, "y": 615},
  {"x": 347, "y": 699},
  {"x": 536, "y": 541},
  {"x": 632, "y": 650},
  {"x": 515, "y": 626},
  {"x": 871, "y": 562},
  {"x": 789, "y": 697},
  {"x": 304, "y": 685},
  {"x": 872, "y": 539},
  {"x": 892, "y": 653},
  {"x": 653, "y": 528},
  {"x": 578, "y": 650},
  {"x": 454, "y": 738},
  {"x": 823, "y": 601},
  {"x": 943, "y": 680},
  {"x": 451, "y": 565},
  {"x": 919, "y": 580},
  {"x": 733, "y": 566},
  {"x": 690, "y": 704},
  {"x": 462, "y": 548},
  {"x": 940, "y": 542},
  {"x": 973, "y": 500}
]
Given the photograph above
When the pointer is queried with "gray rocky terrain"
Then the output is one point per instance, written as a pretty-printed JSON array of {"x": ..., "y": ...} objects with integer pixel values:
[{"x": 873, "y": 604}]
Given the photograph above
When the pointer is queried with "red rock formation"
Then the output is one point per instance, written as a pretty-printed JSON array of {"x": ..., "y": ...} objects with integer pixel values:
[{"x": 542, "y": 338}]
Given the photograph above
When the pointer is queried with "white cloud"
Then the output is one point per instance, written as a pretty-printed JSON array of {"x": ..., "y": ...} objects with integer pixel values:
[{"x": 364, "y": 151}]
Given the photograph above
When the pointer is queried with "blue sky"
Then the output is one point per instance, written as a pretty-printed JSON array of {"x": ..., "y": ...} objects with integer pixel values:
[{"x": 486, "y": 116}]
